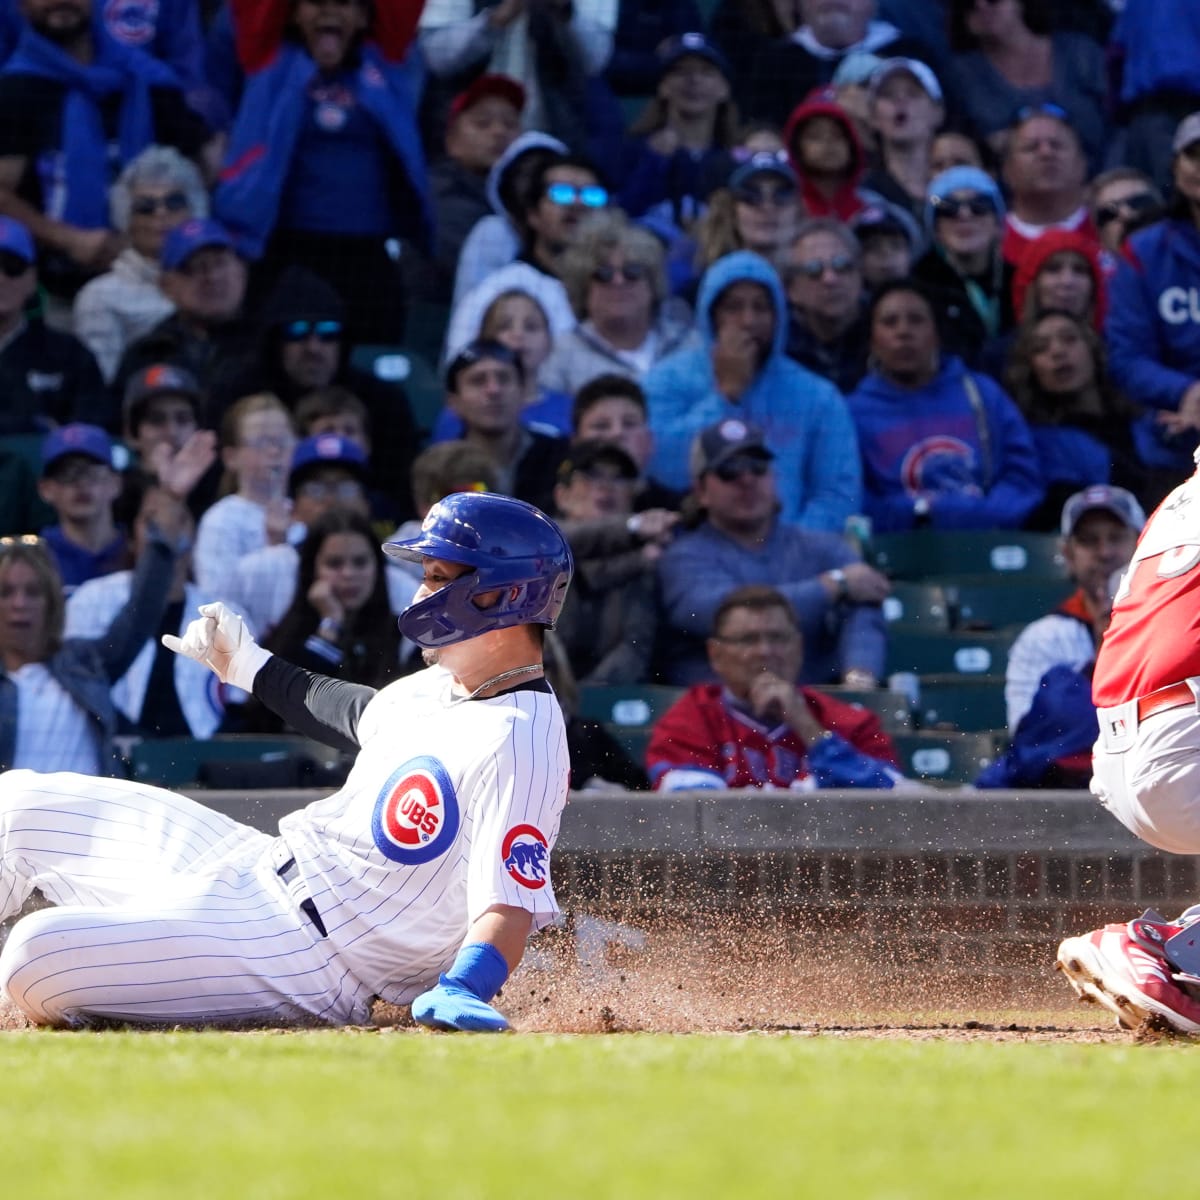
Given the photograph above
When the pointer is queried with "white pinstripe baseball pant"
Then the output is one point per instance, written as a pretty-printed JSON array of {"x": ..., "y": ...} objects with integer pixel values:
[{"x": 167, "y": 912}]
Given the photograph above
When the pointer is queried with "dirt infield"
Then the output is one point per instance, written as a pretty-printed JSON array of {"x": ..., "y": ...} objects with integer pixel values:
[{"x": 603, "y": 978}]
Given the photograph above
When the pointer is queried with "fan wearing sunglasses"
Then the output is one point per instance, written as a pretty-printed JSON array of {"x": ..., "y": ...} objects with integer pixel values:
[
  {"x": 827, "y": 330},
  {"x": 616, "y": 281},
  {"x": 157, "y": 191},
  {"x": 560, "y": 196},
  {"x": 739, "y": 538},
  {"x": 1121, "y": 198},
  {"x": 963, "y": 271},
  {"x": 305, "y": 346}
]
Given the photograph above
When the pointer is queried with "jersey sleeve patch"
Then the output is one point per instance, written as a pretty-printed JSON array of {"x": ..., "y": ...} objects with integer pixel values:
[
  {"x": 526, "y": 856},
  {"x": 416, "y": 814}
]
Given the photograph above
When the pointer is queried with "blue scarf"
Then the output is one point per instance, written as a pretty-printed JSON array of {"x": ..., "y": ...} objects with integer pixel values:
[
  {"x": 273, "y": 109},
  {"x": 115, "y": 69}
]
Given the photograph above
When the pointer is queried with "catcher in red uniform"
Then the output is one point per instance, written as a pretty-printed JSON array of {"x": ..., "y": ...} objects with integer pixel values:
[{"x": 1146, "y": 767}]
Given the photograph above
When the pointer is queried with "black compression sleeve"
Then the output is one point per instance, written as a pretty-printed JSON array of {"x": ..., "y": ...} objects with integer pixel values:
[{"x": 315, "y": 705}]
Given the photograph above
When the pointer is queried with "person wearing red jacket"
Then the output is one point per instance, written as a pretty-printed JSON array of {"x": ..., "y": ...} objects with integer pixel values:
[{"x": 756, "y": 728}]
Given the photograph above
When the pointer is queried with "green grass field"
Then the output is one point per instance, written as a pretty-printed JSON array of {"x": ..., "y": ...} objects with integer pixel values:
[{"x": 400, "y": 1114}]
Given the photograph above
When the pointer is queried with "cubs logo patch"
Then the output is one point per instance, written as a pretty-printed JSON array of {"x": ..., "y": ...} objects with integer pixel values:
[
  {"x": 416, "y": 814},
  {"x": 526, "y": 854}
]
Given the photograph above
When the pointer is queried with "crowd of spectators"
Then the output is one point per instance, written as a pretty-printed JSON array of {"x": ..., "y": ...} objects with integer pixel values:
[{"x": 712, "y": 283}]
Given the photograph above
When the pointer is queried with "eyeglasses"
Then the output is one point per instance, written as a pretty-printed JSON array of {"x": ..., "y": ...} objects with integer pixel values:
[
  {"x": 1046, "y": 109},
  {"x": 758, "y": 197},
  {"x": 743, "y": 464},
  {"x": 949, "y": 207},
  {"x": 1128, "y": 206},
  {"x": 13, "y": 265},
  {"x": 590, "y": 196},
  {"x": 631, "y": 272},
  {"x": 321, "y": 489},
  {"x": 745, "y": 641},
  {"x": 147, "y": 206},
  {"x": 301, "y": 331},
  {"x": 814, "y": 268},
  {"x": 610, "y": 475}
]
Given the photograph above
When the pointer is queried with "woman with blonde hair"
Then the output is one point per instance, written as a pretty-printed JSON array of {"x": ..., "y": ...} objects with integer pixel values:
[
  {"x": 257, "y": 440},
  {"x": 615, "y": 278}
]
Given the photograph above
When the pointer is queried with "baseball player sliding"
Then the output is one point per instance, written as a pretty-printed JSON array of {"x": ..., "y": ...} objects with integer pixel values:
[
  {"x": 418, "y": 882},
  {"x": 1146, "y": 766}
]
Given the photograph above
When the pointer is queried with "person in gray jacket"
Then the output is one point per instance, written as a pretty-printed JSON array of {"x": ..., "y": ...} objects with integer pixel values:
[{"x": 56, "y": 709}]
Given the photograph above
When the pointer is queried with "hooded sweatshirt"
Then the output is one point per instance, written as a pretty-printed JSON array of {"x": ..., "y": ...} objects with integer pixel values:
[
  {"x": 848, "y": 200},
  {"x": 978, "y": 470},
  {"x": 803, "y": 416},
  {"x": 1037, "y": 254},
  {"x": 494, "y": 241}
]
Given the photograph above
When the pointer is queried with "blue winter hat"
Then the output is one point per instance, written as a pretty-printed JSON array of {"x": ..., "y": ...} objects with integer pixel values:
[{"x": 962, "y": 179}]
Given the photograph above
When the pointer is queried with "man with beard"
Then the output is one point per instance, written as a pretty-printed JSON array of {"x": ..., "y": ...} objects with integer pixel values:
[{"x": 74, "y": 110}]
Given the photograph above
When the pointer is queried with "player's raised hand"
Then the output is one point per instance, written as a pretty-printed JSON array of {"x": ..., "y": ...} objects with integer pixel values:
[{"x": 219, "y": 639}]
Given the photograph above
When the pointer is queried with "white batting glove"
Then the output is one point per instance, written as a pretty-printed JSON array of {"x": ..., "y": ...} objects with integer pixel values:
[{"x": 219, "y": 639}]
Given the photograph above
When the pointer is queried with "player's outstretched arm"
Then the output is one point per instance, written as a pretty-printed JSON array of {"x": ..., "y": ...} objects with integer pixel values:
[{"x": 460, "y": 1001}]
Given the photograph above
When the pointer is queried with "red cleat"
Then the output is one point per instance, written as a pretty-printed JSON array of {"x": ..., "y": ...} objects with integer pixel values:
[{"x": 1122, "y": 967}]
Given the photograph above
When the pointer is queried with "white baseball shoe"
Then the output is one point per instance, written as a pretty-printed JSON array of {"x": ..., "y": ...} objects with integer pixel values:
[{"x": 1122, "y": 968}]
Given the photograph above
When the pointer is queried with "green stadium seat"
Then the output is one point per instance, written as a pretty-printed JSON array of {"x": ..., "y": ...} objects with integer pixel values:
[
  {"x": 922, "y": 606},
  {"x": 628, "y": 711},
  {"x": 22, "y": 510},
  {"x": 931, "y": 554},
  {"x": 963, "y": 703},
  {"x": 945, "y": 758},
  {"x": 892, "y": 708},
  {"x": 982, "y": 602},
  {"x": 395, "y": 364},
  {"x": 961, "y": 652},
  {"x": 283, "y": 760}
]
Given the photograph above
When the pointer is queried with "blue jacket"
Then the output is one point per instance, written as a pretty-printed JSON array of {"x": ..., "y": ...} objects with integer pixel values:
[
  {"x": 1158, "y": 42},
  {"x": 268, "y": 125},
  {"x": 928, "y": 442},
  {"x": 803, "y": 416},
  {"x": 1153, "y": 325}
]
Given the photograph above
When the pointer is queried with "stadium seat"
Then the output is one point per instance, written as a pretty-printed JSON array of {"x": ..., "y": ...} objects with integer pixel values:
[
  {"x": 960, "y": 652},
  {"x": 968, "y": 704},
  {"x": 628, "y": 711},
  {"x": 22, "y": 510},
  {"x": 980, "y": 602},
  {"x": 922, "y": 606},
  {"x": 950, "y": 758},
  {"x": 931, "y": 554},
  {"x": 394, "y": 364},
  {"x": 892, "y": 708},
  {"x": 234, "y": 760}
]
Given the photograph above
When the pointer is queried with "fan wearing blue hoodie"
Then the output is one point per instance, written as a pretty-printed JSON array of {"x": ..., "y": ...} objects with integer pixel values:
[
  {"x": 941, "y": 446},
  {"x": 740, "y": 370}
]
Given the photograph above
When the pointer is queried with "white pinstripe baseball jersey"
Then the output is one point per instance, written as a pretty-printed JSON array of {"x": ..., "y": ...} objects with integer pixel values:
[
  {"x": 170, "y": 911},
  {"x": 451, "y": 806}
]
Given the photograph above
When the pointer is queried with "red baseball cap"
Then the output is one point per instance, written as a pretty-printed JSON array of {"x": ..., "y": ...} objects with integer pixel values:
[{"x": 503, "y": 86}]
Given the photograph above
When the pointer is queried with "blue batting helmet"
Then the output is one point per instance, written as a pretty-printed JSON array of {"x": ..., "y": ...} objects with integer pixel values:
[{"x": 508, "y": 544}]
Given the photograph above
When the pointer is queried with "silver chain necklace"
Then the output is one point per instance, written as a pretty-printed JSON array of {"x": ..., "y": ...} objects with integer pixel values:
[{"x": 512, "y": 673}]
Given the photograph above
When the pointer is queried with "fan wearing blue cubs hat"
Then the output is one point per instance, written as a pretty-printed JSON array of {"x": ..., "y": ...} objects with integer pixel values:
[
  {"x": 80, "y": 481},
  {"x": 417, "y": 882}
]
